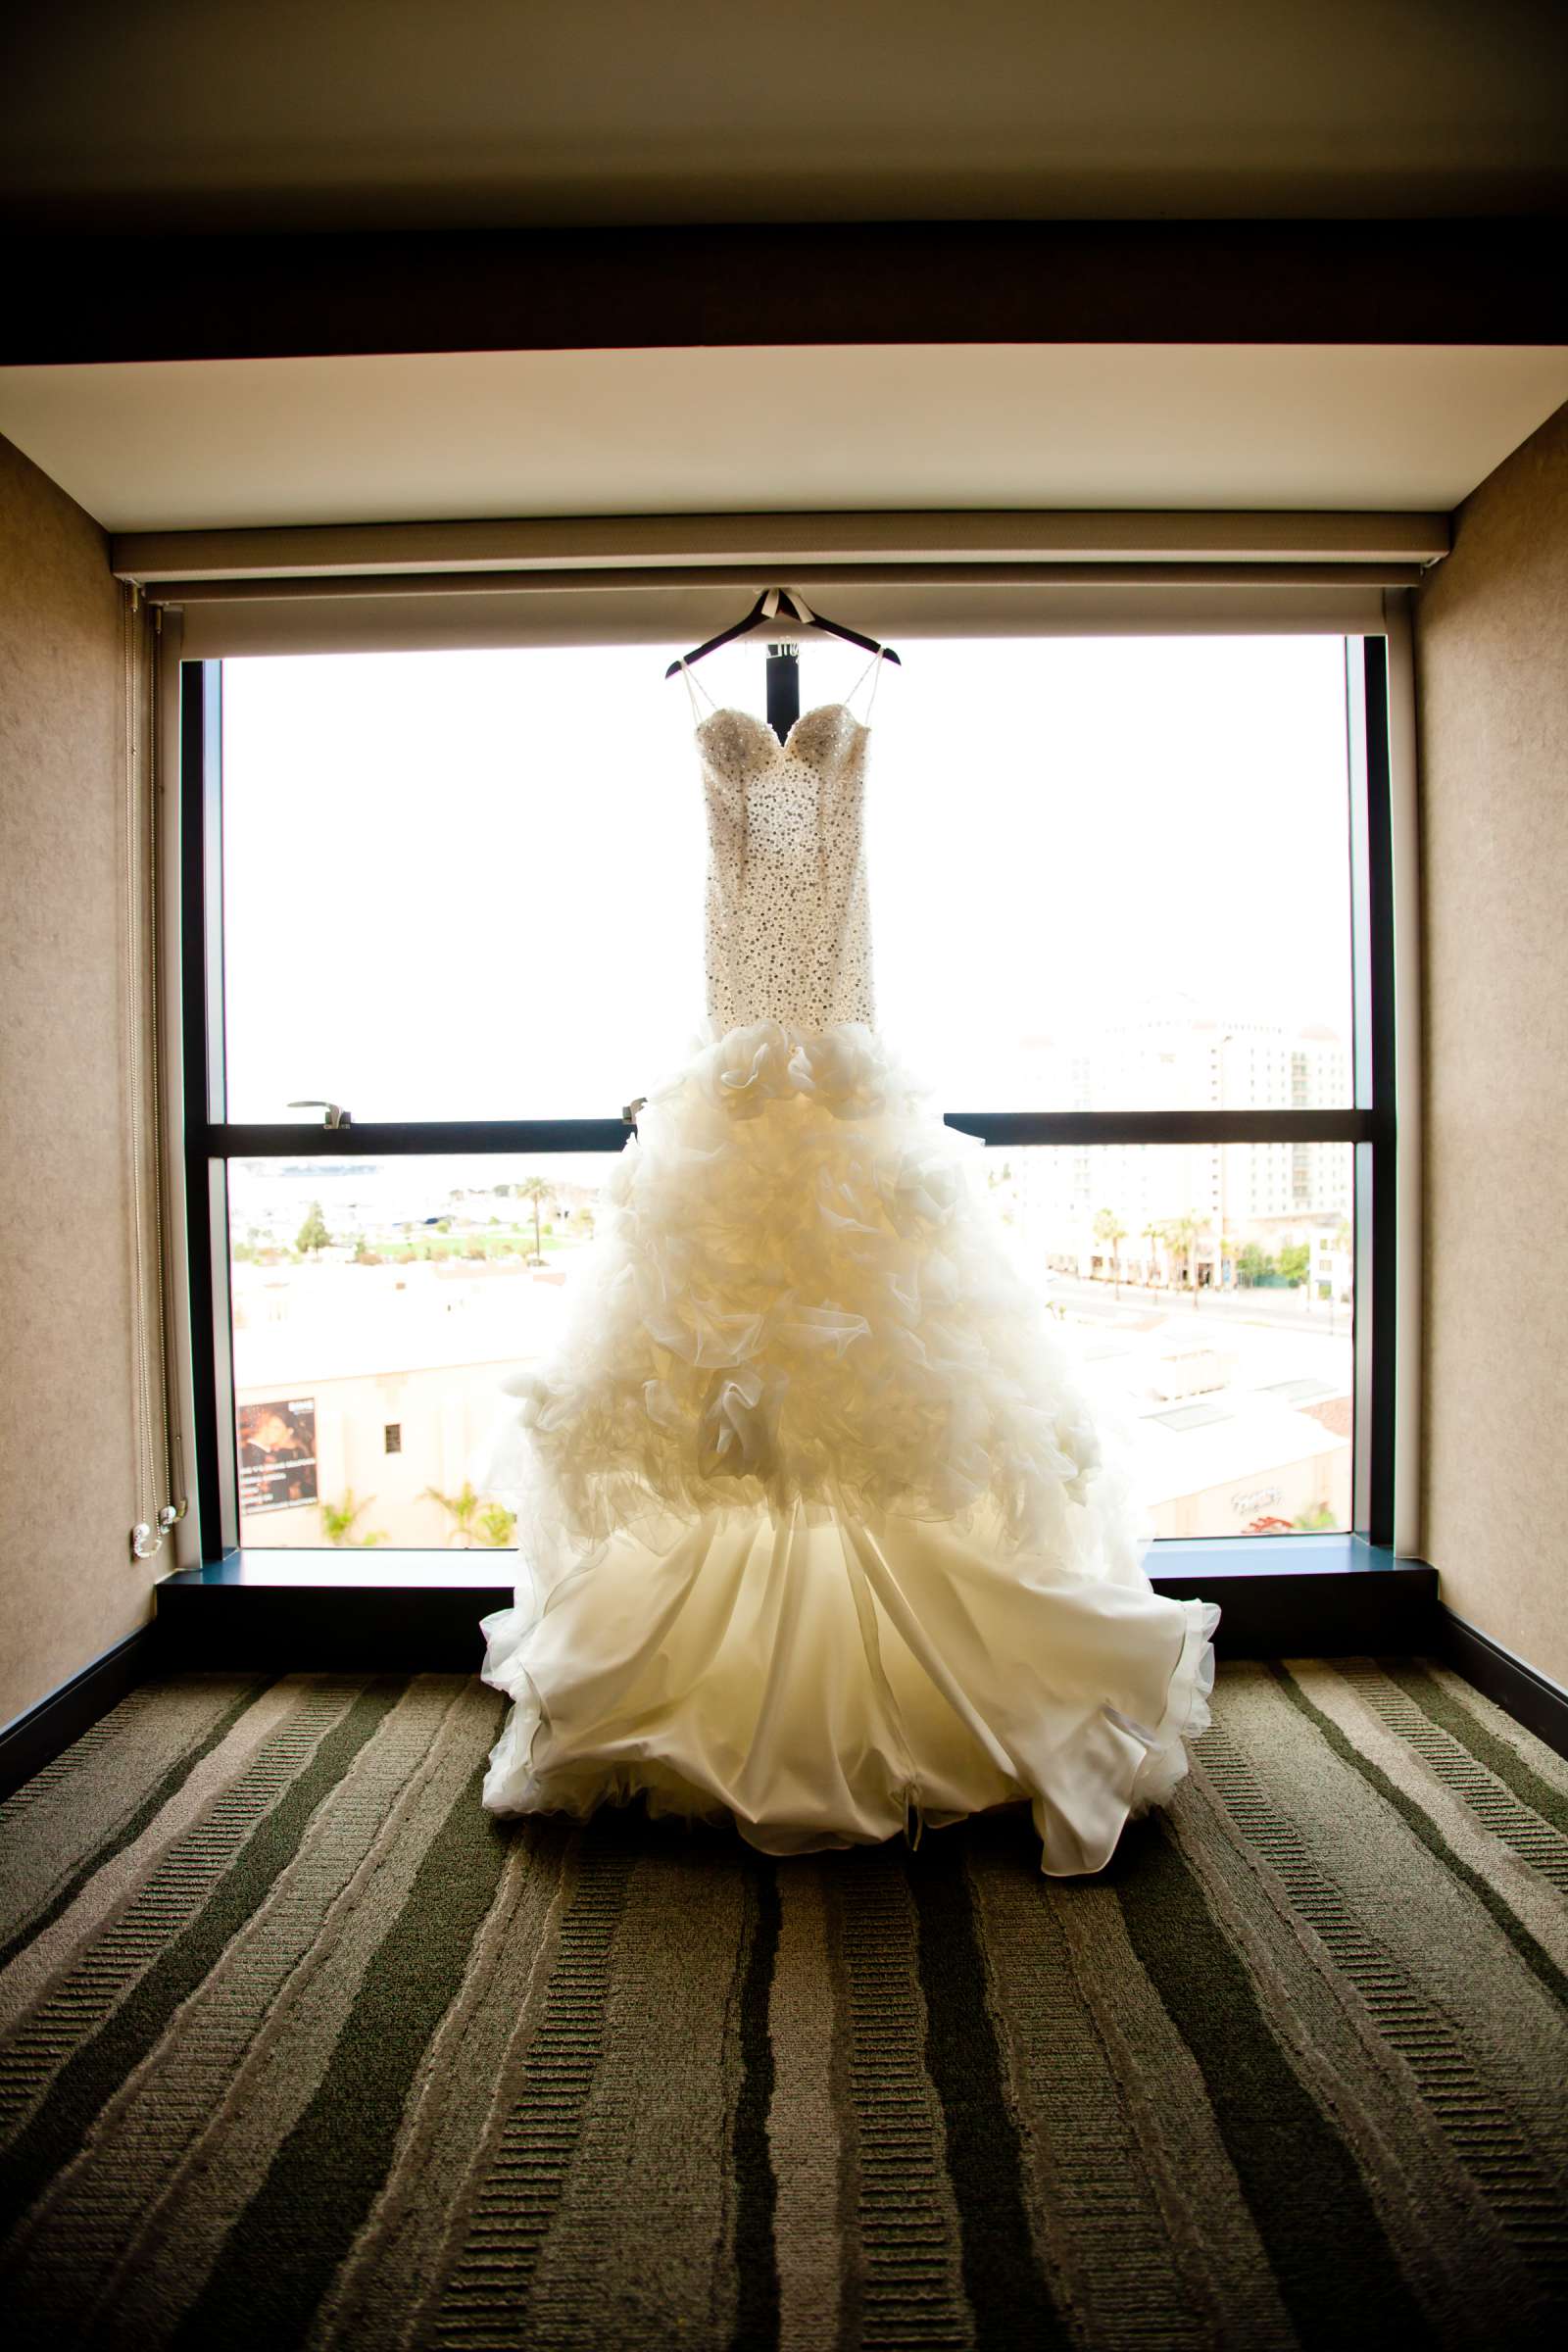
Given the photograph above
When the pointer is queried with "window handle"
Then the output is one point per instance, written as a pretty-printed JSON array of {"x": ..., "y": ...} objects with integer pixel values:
[{"x": 335, "y": 1116}]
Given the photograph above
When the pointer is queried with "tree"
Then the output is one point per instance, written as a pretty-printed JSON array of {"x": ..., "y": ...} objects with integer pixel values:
[
  {"x": 312, "y": 1234},
  {"x": 1295, "y": 1258},
  {"x": 337, "y": 1518},
  {"x": 1182, "y": 1233},
  {"x": 1109, "y": 1230},
  {"x": 1252, "y": 1263},
  {"x": 462, "y": 1508},
  {"x": 535, "y": 1190},
  {"x": 1153, "y": 1233},
  {"x": 498, "y": 1526}
]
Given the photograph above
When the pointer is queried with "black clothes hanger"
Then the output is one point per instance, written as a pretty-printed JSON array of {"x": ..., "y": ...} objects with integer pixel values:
[{"x": 789, "y": 603}]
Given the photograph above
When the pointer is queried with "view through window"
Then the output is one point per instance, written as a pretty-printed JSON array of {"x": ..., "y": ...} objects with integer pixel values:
[{"x": 1107, "y": 874}]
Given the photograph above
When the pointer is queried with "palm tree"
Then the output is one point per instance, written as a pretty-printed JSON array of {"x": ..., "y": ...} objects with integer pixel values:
[
  {"x": 1182, "y": 1233},
  {"x": 533, "y": 1189},
  {"x": 462, "y": 1508},
  {"x": 338, "y": 1517},
  {"x": 499, "y": 1526},
  {"x": 1153, "y": 1233},
  {"x": 1112, "y": 1233}
]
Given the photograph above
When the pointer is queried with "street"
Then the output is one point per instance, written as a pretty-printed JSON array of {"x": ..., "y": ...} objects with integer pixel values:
[{"x": 1276, "y": 1311}]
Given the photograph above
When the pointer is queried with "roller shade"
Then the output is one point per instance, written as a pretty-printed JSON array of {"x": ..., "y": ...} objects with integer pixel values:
[{"x": 668, "y": 579}]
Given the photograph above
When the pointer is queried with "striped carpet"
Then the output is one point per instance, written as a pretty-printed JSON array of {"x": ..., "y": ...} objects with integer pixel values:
[{"x": 297, "y": 2047}]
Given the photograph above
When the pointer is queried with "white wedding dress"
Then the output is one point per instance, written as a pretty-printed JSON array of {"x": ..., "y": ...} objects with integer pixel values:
[{"x": 816, "y": 1523}]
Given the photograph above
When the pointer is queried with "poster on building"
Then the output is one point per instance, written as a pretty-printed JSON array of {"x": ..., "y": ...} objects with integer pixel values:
[{"x": 277, "y": 1455}]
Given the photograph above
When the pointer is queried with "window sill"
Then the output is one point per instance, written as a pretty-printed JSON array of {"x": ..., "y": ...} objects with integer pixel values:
[
  {"x": 351, "y": 1570},
  {"x": 1301, "y": 1596}
]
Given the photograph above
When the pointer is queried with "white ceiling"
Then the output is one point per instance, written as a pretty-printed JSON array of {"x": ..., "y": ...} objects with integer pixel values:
[
  {"x": 207, "y": 114},
  {"x": 448, "y": 436}
]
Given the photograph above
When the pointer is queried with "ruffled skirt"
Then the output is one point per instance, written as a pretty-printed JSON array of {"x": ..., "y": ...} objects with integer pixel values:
[{"x": 817, "y": 1526}]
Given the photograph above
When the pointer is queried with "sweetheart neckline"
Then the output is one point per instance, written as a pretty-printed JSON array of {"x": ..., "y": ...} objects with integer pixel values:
[{"x": 733, "y": 710}]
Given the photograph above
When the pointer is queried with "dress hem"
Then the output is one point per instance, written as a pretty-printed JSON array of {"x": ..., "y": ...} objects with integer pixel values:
[{"x": 1138, "y": 1768}]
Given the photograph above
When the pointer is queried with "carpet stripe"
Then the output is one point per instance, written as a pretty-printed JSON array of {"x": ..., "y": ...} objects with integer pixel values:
[
  {"x": 910, "y": 2270},
  {"x": 1402, "y": 2121},
  {"x": 1425, "y": 2025},
  {"x": 109, "y": 1752},
  {"x": 1539, "y": 1961},
  {"x": 382, "y": 2295},
  {"x": 1299, "y": 2179},
  {"x": 159, "y": 1730},
  {"x": 1542, "y": 1762},
  {"x": 133, "y": 2225},
  {"x": 805, "y": 2140},
  {"x": 1526, "y": 1891},
  {"x": 49, "y": 1957},
  {"x": 71, "y": 2055},
  {"x": 651, "y": 2170},
  {"x": 487, "y": 2289},
  {"x": 756, "y": 2312},
  {"x": 1532, "y": 1816},
  {"x": 1214, "y": 2247},
  {"x": 79, "y": 1758},
  {"x": 279, "y": 2258},
  {"x": 1097, "y": 2218},
  {"x": 1008, "y": 2293}
]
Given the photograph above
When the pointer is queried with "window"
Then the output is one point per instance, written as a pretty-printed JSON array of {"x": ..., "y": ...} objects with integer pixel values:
[{"x": 1125, "y": 897}]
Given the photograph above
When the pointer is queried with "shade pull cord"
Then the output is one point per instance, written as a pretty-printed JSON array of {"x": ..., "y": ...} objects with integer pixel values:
[{"x": 146, "y": 1535}]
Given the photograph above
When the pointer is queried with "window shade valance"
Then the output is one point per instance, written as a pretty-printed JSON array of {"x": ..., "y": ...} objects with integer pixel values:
[{"x": 662, "y": 579}]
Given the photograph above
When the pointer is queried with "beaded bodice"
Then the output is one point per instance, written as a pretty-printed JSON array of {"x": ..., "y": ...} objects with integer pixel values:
[{"x": 787, "y": 933}]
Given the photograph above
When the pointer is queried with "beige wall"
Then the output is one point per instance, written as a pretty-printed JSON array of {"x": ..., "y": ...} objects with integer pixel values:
[
  {"x": 1491, "y": 633},
  {"x": 68, "y": 1430}
]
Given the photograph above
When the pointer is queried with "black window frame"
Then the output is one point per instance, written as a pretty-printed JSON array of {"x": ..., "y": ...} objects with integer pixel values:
[{"x": 1369, "y": 1123}]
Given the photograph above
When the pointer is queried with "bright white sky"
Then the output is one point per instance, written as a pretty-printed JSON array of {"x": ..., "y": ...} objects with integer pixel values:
[{"x": 469, "y": 885}]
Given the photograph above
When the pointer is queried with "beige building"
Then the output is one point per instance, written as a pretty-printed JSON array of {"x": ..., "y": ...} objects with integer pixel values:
[
  {"x": 377, "y": 1385},
  {"x": 390, "y": 1374},
  {"x": 1186, "y": 1059}
]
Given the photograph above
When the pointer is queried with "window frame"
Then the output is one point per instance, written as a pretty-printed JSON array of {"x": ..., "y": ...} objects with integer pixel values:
[{"x": 1386, "y": 1243}]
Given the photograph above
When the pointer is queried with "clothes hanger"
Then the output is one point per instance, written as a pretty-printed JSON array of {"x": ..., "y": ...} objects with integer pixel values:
[{"x": 793, "y": 608}]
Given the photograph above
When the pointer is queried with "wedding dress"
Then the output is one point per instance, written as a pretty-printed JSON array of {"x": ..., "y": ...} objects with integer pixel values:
[{"x": 816, "y": 1525}]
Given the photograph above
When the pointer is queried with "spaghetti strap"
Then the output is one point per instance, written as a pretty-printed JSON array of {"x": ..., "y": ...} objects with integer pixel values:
[
  {"x": 691, "y": 692},
  {"x": 874, "y": 673}
]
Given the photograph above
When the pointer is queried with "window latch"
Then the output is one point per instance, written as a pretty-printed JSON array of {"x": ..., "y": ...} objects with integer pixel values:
[{"x": 336, "y": 1117}]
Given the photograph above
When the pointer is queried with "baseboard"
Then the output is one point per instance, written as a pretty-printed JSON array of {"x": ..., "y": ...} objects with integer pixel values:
[
  {"x": 36, "y": 1738},
  {"x": 1528, "y": 1696}
]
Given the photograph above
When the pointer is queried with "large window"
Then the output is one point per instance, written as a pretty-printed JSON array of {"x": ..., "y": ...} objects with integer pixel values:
[{"x": 1125, "y": 897}]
